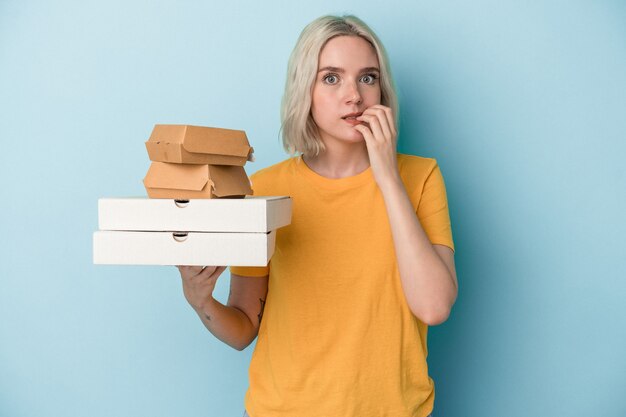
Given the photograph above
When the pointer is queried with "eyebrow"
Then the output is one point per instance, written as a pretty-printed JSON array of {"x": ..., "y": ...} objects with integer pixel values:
[{"x": 341, "y": 70}]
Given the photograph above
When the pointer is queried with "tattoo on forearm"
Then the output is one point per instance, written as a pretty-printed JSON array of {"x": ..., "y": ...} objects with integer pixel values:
[
  {"x": 207, "y": 317},
  {"x": 260, "y": 315}
]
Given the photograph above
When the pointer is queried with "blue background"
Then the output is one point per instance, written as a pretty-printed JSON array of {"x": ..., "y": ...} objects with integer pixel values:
[{"x": 523, "y": 105}]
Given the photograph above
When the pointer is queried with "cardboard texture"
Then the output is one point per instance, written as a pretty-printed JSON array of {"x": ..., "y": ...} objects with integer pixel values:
[
  {"x": 171, "y": 248},
  {"x": 188, "y": 181},
  {"x": 249, "y": 215},
  {"x": 186, "y": 144}
]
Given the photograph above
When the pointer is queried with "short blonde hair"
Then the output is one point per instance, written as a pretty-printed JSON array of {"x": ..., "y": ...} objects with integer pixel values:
[{"x": 299, "y": 131}]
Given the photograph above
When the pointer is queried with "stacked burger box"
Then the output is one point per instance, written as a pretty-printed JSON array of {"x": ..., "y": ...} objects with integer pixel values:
[
  {"x": 200, "y": 209},
  {"x": 197, "y": 162}
]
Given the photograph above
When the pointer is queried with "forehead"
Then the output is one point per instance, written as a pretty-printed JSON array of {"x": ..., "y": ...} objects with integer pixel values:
[{"x": 349, "y": 52}]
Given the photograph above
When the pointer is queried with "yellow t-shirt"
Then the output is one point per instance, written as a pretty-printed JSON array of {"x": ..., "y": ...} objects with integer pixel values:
[{"x": 337, "y": 338}]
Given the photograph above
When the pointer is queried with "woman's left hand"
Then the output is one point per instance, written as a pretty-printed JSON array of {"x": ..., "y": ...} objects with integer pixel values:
[{"x": 381, "y": 142}]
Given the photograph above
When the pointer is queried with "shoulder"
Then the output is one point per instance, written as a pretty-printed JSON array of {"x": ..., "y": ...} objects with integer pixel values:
[
  {"x": 274, "y": 171},
  {"x": 415, "y": 168},
  {"x": 420, "y": 175},
  {"x": 272, "y": 176}
]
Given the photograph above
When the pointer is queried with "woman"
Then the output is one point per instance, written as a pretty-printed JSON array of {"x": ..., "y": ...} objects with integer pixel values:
[{"x": 343, "y": 308}]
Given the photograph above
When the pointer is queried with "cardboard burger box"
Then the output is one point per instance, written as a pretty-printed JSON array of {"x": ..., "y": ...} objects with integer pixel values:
[
  {"x": 188, "y": 181},
  {"x": 187, "y": 144},
  {"x": 143, "y": 231}
]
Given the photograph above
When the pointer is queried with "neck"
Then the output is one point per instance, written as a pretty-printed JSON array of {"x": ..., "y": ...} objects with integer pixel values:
[{"x": 340, "y": 160}]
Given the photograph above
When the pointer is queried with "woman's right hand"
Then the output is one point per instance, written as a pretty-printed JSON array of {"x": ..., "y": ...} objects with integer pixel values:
[{"x": 199, "y": 283}]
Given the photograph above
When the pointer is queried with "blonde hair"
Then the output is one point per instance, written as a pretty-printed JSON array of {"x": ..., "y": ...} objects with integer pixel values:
[{"x": 299, "y": 131}]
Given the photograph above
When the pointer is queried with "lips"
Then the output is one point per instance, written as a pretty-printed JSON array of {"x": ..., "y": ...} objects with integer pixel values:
[
  {"x": 351, "y": 116},
  {"x": 353, "y": 121}
]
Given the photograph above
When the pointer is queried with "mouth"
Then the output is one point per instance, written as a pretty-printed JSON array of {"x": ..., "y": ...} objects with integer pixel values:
[{"x": 351, "y": 118}]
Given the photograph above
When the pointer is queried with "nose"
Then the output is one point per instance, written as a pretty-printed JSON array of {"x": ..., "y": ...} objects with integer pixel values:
[{"x": 353, "y": 95}]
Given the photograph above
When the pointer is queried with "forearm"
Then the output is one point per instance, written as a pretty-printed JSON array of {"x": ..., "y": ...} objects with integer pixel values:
[
  {"x": 228, "y": 324},
  {"x": 427, "y": 282}
]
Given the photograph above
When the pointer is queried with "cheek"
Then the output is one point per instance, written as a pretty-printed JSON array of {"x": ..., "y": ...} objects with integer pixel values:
[
  {"x": 321, "y": 106},
  {"x": 320, "y": 97},
  {"x": 374, "y": 96}
]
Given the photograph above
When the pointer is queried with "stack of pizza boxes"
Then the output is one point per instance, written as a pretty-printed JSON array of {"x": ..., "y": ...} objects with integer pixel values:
[{"x": 200, "y": 209}]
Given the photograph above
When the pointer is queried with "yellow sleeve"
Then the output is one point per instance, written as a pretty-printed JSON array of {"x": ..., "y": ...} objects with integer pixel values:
[
  {"x": 250, "y": 271},
  {"x": 432, "y": 210}
]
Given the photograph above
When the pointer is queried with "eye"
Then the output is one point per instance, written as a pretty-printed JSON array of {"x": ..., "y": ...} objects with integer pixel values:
[
  {"x": 330, "y": 79},
  {"x": 369, "y": 78}
]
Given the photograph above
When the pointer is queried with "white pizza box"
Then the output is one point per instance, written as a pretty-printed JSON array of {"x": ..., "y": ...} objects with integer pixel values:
[
  {"x": 178, "y": 248},
  {"x": 250, "y": 214}
]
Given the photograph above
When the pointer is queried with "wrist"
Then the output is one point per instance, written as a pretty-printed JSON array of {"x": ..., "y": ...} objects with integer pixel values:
[
  {"x": 206, "y": 307},
  {"x": 391, "y": 183}
]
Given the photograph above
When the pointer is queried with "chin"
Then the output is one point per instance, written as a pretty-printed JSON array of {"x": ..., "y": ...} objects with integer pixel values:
[
  {"x": 349, "y": 136},
  {"x": 356, "y": 137}
]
